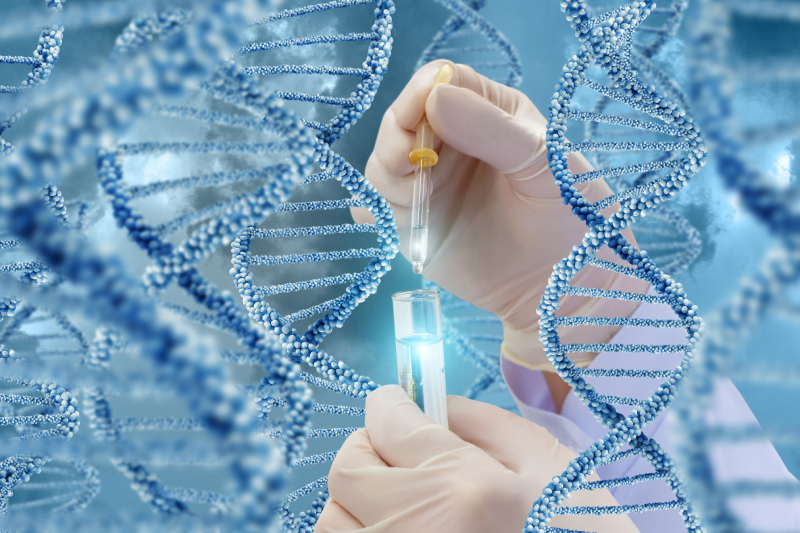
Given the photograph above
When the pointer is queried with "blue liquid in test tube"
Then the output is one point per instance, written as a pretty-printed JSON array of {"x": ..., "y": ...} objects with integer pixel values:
[{"x": 420, "y": 351}]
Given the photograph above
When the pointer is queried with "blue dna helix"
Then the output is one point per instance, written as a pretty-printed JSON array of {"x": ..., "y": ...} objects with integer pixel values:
[
  {"x": 718, "y": 73},
  {"x": 34, "y": 409},
  {"x": 662, "y": 26},
  {"x": 37, "y": 409},
  {"x": 220, "y": 222},
  {"x": 666, "y": 234},
  {"x": 465, "y": 24},
  {"x": 371, "y": 72},
  {"x": 608, "y": 43},
  {"x": 42, "y": 61}
]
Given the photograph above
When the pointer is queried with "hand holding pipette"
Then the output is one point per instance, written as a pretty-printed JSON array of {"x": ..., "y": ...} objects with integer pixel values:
[
  {"x": 423, "y": 157},
  {"x": 497, "y": 223}
]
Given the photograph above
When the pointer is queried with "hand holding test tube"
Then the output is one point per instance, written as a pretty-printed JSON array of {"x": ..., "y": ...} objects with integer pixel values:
[{"x": 424, "y": 157}]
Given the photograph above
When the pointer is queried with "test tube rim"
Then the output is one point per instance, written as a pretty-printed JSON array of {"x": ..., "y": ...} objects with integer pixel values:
[{"x": 419, "y": 294}]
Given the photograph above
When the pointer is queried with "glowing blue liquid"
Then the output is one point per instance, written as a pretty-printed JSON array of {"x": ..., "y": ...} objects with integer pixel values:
[{"x": 420, "y": 366}]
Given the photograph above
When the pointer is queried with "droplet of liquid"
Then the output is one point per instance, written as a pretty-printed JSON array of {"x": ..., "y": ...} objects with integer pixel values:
[{"x": 417, "y": 268}]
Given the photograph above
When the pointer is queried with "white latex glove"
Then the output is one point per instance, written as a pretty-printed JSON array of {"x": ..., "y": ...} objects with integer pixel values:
[
  {"x": 406, "y": 474},
  {"x": 497, "y": 222}
]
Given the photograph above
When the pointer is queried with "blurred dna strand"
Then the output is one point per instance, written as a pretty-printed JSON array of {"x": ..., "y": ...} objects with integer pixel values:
[
  {"x": 41, "y": 61},
  {"x": 726, "y": 65},
  {"x": 159, "y": 56}
]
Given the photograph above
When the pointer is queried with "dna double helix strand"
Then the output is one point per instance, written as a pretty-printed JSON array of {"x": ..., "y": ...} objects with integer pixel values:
[
  {"x": 42, "y": 61},
  {"x": 100, "y": 289},
  {"x": 283, "y": 245},
  {"x": 665, "y": 234},
  {"x": 663, "y": 25},
  {"x": 762, "y": 306},
  {"x": 35, "y": 410},
  {"x": 607, "y": 42},
  {"x": 466, "y": 35}
]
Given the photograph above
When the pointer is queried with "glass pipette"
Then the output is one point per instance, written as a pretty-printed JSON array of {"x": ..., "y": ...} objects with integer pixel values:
[{"x": 423, "y": 157}]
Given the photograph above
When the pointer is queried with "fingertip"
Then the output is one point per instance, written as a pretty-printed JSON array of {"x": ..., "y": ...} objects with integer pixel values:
[
  {"x": 446, "y": 101},
  {"x": 459, "y": 407},
  {"x": 387, "y": 394},
  {"x": 410, "y": 105}
]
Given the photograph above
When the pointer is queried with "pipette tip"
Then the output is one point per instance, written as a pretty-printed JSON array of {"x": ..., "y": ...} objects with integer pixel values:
[{"x": 417, "y": 268}]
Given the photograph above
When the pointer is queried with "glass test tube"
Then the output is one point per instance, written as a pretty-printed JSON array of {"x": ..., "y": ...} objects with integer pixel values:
[{"x": 420, "y": 350}]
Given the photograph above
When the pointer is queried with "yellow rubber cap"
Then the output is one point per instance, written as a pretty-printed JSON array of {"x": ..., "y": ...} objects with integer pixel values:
[
  {"x": 424, "y": 157},
  {"x": 444, "y": 75}
]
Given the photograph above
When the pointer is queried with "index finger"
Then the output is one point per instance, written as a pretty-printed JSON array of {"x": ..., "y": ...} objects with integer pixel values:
[
  {"x": 410, "y": 105},
  {"x": 401, "y": 433}
]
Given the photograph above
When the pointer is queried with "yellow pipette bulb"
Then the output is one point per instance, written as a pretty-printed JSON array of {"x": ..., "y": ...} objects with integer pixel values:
[{"x": 424, "y": 158}]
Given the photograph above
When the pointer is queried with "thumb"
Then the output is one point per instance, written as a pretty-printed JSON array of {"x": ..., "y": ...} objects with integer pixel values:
[
  {"x": 514, "y": 144},
  {"x": 400, "y": 432}
]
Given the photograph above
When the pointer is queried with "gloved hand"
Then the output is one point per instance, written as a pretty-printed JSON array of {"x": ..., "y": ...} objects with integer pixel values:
[
  {"x": 497, "y": 222},
  {"x": 406, "y": 474}
]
